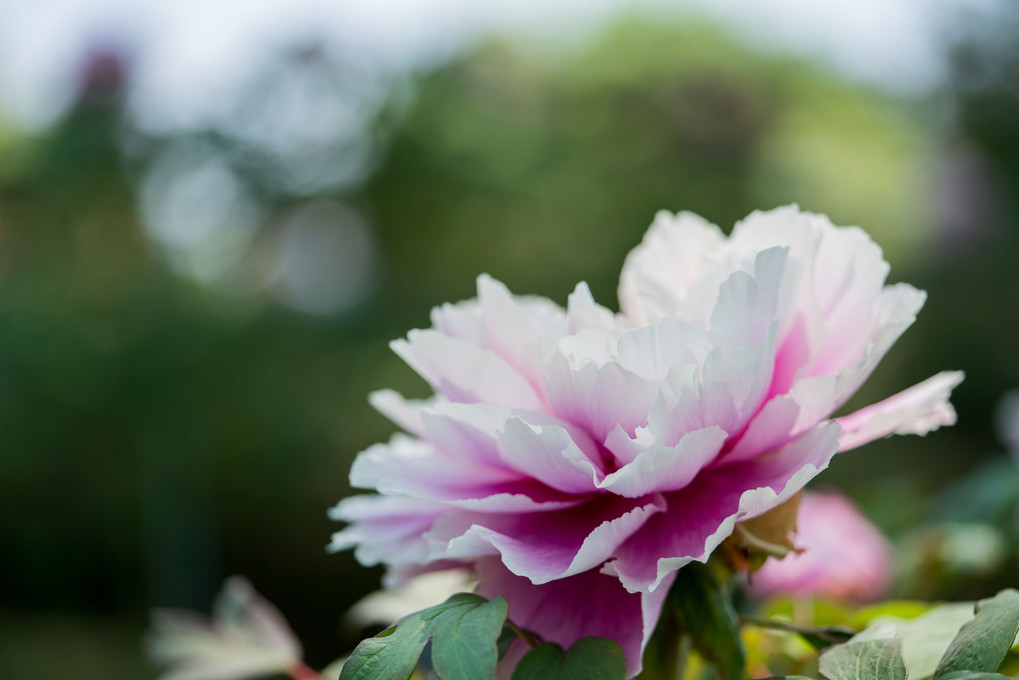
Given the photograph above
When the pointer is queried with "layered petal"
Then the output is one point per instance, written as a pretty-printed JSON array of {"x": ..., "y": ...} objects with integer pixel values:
[
  {"x": 566, "y": 610},
  {"x": 703, "y": 514},
  {"x": 544, "y": 546},
  {"x": 577, "y": 458},
  {"x": 921, "y": 409}
]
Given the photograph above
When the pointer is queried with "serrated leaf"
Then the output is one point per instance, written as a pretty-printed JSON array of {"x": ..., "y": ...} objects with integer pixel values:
[
  {"x": 981, "y": 644},
  {"x": 705, "y": 613},
  {"x": 866, "y": 660},
  {"x": 463, "y": 630},
  {"x": 590, "y": 658}
]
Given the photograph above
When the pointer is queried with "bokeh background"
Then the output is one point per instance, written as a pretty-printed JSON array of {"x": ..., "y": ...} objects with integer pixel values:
[{"x": 214, "y": 219}]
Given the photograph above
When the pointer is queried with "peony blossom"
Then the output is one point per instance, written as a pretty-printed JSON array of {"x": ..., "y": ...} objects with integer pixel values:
[
  {"x": 246, "y": 638},
  {"x": 843, "y": 555},
  {"x": 577, "y": 458}
]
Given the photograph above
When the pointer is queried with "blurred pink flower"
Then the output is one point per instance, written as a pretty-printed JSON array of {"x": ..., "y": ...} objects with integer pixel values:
[
  {"x": 247, "y": 637},
  {"x": 577, "y": 458},
  {"x": 844, "y": 556}
]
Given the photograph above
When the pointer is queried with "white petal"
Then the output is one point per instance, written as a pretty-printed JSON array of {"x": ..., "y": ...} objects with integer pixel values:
[
  {"x": 658, "y": 272},
  {"x": 462, "y": 371}
]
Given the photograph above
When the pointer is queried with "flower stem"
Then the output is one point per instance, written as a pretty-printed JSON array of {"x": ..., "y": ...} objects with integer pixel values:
[{"x": 533, "y": 639}]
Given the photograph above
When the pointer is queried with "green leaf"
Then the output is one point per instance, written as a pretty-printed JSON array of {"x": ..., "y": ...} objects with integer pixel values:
[
  {"x": 924, "y": 638},
  {"x": 866, "y": 660},
  {"x": 982, "y": 644},
  {"x": 588, "y": 659},
  {"x": 899, "y": 609},
  {"x": 966, "y": 675},
  {"x": 463, "y": 629},
  {"x": 817, "y": 637},
  {"x": 705, "y": 613}
]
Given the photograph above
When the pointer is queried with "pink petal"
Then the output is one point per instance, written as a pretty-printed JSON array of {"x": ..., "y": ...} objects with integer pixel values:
[
  {"x": 703, "y": 514},
  {"x": 844, "y": 555},
  {"x": 920, "y": 409},
  {"x": 549, "y": 454},
  {"x": 727, "y": 392},
  {"x": 406, "y": 414},
  {"x": 416, "y": 468},
  {"x": 785, "y": 417},
  {"x": 385, "y": 528},
  {"x": 664, "y": 468},
  {"x": 895, "y": 310},
  {"x": 462, "y": 371},
  {"x": 413, "y": 469},
  {"x": 509, "y": 330},
  {"x": 461, "y": 320},
  {"x": 543, "y": 546},
  {"x": 566, "y": 610},
  {"x": 597, "y": 398}
]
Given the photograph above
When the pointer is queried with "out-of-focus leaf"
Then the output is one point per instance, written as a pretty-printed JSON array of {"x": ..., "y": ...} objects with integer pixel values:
[
  {"x": 900, "y": 609},
  {"x": 705, "y": 613},
  {"x": 925, "y": 638},
  {"x": 588, "y": 659},
  {"x": 667, "y": 653},
  {"x": 864, "y": 660},
  {"x": 815, "y": 612},
  {"x": 966, "y": 675},
  {"x": 982, "y": 643},
  {"x": 463, "y": 629},
  {"x": 818, "y": 637}
]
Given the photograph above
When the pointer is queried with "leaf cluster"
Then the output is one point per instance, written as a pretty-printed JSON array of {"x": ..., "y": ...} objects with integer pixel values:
[
  {"x": 468, "y": 635},
  {"x": 975, "y": 653}
]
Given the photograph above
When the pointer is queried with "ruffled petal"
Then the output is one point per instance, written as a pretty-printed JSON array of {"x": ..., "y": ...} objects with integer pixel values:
[
  {"x": 567, "y": 610},
  {"x": 544, "y": 546},
  {"x": 663, "y": 468},
  {"x": 922, "y": 408},
  {"x": 549, "y": 454},
  {"x": 463, "y": 371},
  {"x": 385, "y": 529},
  {"x": 597, "y": 398},
  {"x": 657, "y": 274},
  {"x": 703, "y": 514}
]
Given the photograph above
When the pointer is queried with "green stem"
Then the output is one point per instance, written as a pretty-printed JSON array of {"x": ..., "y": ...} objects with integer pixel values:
[
  {"x": 532, "y": 639},
  {"x": 831, "y": 635}
]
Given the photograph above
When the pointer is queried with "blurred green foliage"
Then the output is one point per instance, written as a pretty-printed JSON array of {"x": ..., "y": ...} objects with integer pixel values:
[{"x": 161, "y": 433}]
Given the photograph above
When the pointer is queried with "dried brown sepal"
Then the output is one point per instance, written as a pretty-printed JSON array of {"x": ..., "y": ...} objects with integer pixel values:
[{"x": 764, "y": 536}]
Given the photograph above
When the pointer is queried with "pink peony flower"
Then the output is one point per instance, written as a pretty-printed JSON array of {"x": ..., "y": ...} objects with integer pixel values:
[
  {"x": 844, "y": 556},
  {"x": 578, "y": 458},
  {"x": 247, "y": 637}
]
